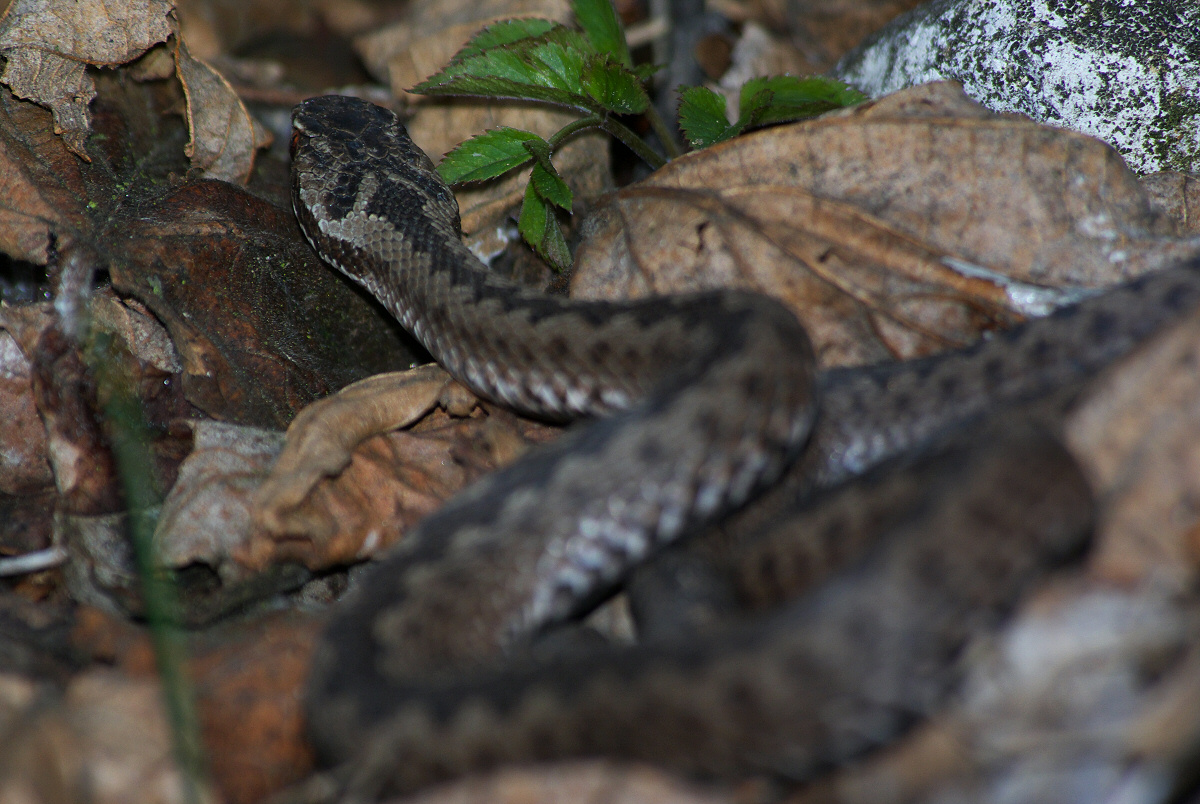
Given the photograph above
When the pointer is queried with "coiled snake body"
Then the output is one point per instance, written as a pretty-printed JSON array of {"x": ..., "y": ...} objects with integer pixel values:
[{"x": 706, "y": 399}]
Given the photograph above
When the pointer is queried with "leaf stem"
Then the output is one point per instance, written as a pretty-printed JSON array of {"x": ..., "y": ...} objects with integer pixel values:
[
  {"x": 615, "y": 128},
  {"x": 560, "y": 136},
  {"x": 665, "y": 135}
]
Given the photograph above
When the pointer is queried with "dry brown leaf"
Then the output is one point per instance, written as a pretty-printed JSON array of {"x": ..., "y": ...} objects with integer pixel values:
[
  {"x": 391, "y": 483},
  {"x": 342, "y": 492},
  {"x": 49, "y": 44},
  {"x": 248, "y": 679},
  {"x": 1141, "y": 452},
  {"x": 594, "y": 782},
  {"x": 893, "y": 229},
  {"x": 1176, "y": 195},
  {"x": 224, "y": 135},
  {"x": 24, "y": 468},
  {"x": 40, "y": 184},
  {"x": 207, "y": 518},
  {"x": 322, "y": 437},
  {"x": 106, "y": 742},
  {"x": 260, "y": 323}
]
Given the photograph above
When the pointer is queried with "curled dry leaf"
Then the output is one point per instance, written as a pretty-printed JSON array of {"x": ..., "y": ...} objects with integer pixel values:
[
  {"x": 48, "y": 46},
  {"x": 224, "y": 135},
  {"x": 342, "y": 491},
  {"x": 322, "y": 437},
  {"x": 206, "y": 518},
  {"x": 893, "y": 229}
]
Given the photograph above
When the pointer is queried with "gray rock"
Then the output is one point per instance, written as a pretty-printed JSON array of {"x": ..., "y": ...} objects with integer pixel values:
[{"x": 1126, "y": 71}]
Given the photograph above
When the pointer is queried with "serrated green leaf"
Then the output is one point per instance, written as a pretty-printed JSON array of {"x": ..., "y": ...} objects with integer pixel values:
[
  {"x": 780, "y": 98},
  {"x": 545, "y": 178},
  {"x": 503, "y": 33},
  {"x": 551, "y": 187},
  {"x": 600, "y": 25},
  {"x": 702, "y": 117},
  {"x": 561, "y": 61},
  {"x": 645, "y": 72},
  {"x": 487, "y": 155},
  {"x": 545, "y": 68},
  {"x": 539, "y": 227},
  {"x": 614, "y": 87}
]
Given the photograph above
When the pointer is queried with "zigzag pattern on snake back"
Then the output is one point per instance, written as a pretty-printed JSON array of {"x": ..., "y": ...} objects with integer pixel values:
[{"x": 708, "y": 398}]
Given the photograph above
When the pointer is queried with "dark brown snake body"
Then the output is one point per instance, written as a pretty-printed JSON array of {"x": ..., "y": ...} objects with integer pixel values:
[{"x": 708, "y": 399}]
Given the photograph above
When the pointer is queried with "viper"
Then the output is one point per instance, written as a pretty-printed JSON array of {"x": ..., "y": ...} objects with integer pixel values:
[{"x": 692, "y": 407}]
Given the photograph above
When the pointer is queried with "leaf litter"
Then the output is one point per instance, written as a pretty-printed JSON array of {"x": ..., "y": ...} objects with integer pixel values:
[{"x": 912, "y": 220}]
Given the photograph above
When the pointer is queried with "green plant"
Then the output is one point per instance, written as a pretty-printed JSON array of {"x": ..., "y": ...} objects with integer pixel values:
[{"x": 591, "y": 72}]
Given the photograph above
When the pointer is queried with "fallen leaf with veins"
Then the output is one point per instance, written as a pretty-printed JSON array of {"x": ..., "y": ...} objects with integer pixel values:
[
  {"x": 893, "y": 229},
  {"x": 348, "y": 484},
  {"x": 49, "y": 46},
  {"x": 322, "y": 437},
  {"x": 224, "y": 135}
]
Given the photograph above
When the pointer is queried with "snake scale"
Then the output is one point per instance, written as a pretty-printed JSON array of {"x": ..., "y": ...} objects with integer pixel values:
[{"x": 696, "y": 404}]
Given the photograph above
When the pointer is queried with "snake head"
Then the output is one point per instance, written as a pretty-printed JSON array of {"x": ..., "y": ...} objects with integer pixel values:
[{"x": 339, "y": 144}]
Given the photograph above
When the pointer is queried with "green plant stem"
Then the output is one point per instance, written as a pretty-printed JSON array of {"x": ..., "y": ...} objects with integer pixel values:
[
  {"x": 611, "y": 126},
  {"x": 129, "y": 437},
  {"x": 665, "y": 135},
  {"x": 560, "y": 136}
]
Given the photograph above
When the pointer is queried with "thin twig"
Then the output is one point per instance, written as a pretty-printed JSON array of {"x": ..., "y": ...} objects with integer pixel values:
[{"x": 35, "y": 561}]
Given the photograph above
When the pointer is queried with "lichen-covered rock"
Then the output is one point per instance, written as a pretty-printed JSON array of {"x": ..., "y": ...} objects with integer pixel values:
[{"x": 1126, "y": 71}]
